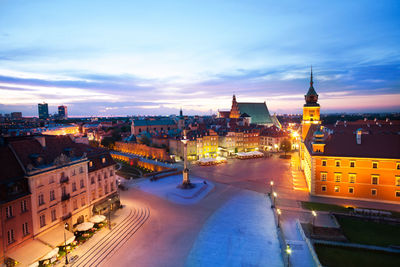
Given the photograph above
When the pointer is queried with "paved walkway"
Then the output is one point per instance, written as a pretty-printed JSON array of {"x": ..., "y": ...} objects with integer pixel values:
[{"x": 355, "y": 245}]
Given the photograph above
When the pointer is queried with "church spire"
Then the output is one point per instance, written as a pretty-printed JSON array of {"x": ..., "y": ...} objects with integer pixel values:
[
  {"x": 311, "y": 97},
  {"x": 311, "y": 80}
]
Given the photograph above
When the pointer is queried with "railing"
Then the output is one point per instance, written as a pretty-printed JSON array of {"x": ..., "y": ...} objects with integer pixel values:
[
  {"x": 65, "y": 197},
  {"x": 64, "y": 179},
  {"x": 66, "y": 216}
]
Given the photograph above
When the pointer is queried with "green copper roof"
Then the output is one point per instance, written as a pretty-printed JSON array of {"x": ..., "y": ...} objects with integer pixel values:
[{"x": 257, "y": 111}]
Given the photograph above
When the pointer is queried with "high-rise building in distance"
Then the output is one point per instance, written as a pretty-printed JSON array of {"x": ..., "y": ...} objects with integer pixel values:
[
  {"x": 62, "y": 112},
  {"x": 43, "y": 110}
]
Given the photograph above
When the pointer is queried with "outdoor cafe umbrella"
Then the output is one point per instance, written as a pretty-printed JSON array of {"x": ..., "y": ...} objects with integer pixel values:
[
  {"x": 51, "y": 254},
  {"x": 70, "y": 240},
  {"x": 97, "y": 218},
  {"x": 84, "y": 226}
]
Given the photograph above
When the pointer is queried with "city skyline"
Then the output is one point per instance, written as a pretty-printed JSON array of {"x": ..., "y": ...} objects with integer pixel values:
[{"x": 108, "y": 59}]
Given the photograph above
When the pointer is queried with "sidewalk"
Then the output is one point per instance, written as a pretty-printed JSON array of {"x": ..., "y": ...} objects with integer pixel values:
[{"x": 116, "y": 218}]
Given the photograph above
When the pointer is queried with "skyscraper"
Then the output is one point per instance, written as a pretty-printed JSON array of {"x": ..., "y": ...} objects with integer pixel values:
[
  {"x": 43, "y": 111},
  {"x": 62, "y": 112}
]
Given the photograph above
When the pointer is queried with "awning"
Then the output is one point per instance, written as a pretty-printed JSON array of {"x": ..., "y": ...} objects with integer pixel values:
[
  {"x": 55, "y": 237},
  {"x": 29, "y": 253},
  {"x": 105, "y": 203}
]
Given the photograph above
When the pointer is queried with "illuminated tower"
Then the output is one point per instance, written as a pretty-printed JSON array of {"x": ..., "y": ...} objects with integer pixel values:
[
  {"x": 310, "y": 109},
  {"x": 235, "y": 113}
]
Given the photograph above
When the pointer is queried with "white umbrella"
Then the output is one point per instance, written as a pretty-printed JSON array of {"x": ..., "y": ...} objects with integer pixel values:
[
  {"x": 97, "y": 218},
  {"x": 51, "y": 254},
  {"x": 70, "y": 240},
  {"x": 84, "y": 226}
]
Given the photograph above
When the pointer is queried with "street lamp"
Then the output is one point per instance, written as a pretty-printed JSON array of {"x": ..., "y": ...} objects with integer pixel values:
[
  {"x": 272, "y": 185},
  {"x": 279, "y": 215},
  {"x": 65, "y": 244},
  {"x": 288, "y": 252},
  {"x": 275, "y": 195},
  {"x": 314, "y": 214},
  {"x": 109, "y": 214}
]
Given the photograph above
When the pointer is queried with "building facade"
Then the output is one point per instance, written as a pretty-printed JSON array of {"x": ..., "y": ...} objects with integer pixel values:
[{"x": 43, "y": 111}]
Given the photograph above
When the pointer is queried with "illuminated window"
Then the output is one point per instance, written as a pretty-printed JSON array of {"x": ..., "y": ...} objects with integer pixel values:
[
  {"x": 337, "y": 189},
  {"x": 397, "y": 180},
  {"x": 374, "y": 179},
  {"x": 374, "y": 192},
  {"x": 352, "y": 164},
  {"x": 90, "y": 163},
  {"x": 323, "y": 188},
  {"x": 337, "y": 163},
  {"x": 324, "y": 163},
  {"x": 323, "y": 176},
  {"x": 352, "y": 178},
  {"x": 397, "y": 193},
  {"x": 351, "y": 190},
  {"x": 374, "y": 165},
  {"x": 338, "y": 177},
  {"x": 103, "y": 160}
]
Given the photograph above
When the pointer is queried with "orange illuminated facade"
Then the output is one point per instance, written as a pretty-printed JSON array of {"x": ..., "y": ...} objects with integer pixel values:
[{"x": 354, "y": 160}]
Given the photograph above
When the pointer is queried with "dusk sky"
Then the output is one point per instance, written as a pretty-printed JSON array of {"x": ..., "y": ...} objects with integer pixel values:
[{"x": 105, "y": 58}]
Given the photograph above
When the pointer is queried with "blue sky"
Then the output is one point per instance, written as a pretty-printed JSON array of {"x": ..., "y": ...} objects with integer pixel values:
[{"x": 153, "y": 57}]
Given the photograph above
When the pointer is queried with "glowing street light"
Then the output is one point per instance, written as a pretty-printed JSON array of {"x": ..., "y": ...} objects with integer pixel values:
[
  {"x": 275, "y": 195},
  {"x": 109, "y": 214},
  {"x": 314, "y": 214},
  {"x": 278, "y": 211},
  {"x": 288, "y": 252},
  {"x": 272, "y": 185},
  {"x": 65, "y": 244}
]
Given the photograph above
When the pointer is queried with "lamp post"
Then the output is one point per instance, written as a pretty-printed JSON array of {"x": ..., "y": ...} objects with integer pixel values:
[
  {"x": 314, "y": 214},
  {"x": 65, "y": 244},
  {"x": 278, "y": 211},
  {"x": 272, "y": 185},
  {"x": 288, "y": 252},
  {"x": 274, "y": 195},
  {"x": 109, "y": 214}
]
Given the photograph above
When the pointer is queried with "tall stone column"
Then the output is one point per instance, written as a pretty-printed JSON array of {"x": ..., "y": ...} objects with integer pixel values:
[{"x": 186, "y": 184}]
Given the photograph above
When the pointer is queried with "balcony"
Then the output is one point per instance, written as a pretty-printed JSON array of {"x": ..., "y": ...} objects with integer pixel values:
[
  {"x": 66, "y": 216},
  {"x": 65, "y": 197},
  {"x": 64, "y": 179}
]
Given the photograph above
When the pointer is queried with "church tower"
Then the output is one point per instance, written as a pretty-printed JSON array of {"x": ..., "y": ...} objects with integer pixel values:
[
  {"x": 310, "y": 109},
  {"x": 235, "y": 113}
]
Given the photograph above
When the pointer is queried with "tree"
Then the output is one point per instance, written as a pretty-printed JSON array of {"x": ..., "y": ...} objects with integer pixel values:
[
  {"x": 107, "y": 142},
  {"x": 286, "y": 145}
]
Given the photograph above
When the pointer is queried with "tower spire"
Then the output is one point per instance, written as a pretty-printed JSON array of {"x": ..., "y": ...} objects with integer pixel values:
[{"x": 311, "y": 80}]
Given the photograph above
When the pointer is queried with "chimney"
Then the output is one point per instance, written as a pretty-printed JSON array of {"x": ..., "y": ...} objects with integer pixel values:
[
  {"x": 358, "y": 136},
  {"x": 41, "y": 139}
]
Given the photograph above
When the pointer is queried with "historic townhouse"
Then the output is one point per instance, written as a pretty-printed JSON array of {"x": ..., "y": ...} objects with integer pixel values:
[{"x": 356, "y": 160}]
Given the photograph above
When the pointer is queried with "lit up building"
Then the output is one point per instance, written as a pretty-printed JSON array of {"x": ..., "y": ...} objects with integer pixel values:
[
  {"x": 355, "y": 160},
  {"x": 62, "y": 112},
  {"x": 43, "y": 110}
]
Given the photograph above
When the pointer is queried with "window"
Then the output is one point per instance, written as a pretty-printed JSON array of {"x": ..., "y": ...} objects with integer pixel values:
[
  {"x": 53, "y": 215},
  {"x": 351, "y": 190},
  {"x": 352, "y": 178},
  {"x": 9, "y": 212},
  {"x": 352, "y": 164},
  {"x": 10, "y": 236},
  {"x": 83, "y": 201},
  {"x": 112, "y": 186},
  {"x": 105, "y": 175},
  {"x": 90, "y": 164},
  {"x": 52, "y": 195},
  {"x": 323, "y": 188},
  {"x": 99, "y": 178},
  {"x": 397, "y": 193},
  {"x": 82, "y": 183},
  {"x": 337, "y": 189},
  {"x": 103, "y": 159},
  {"x": 25, "y": 229},
  {"x": 92, "y": 180},
  {"x": 397, "y": 180},
  {"x": 75, "y": 204},
  {"x": 323, "y": 176},
  {"x": 374, "y": 192},
  {"x": 41, "y": 199},
  {"x": 24, "y": 206},
  {"x": 338, "y": 177},
  {"x": 63, "y": 191},
  {"x": 111, "y": 173},
  {"x": 81, "y": 169},
  {"x": 323, "y": 162},
  {"x": 73, "y": 173},
  {"x": 337, "y": 163},
  {"x": 374, "y": 165},
  {"x": 73, "y": 187},
  {"x": 42, "y": 220},
  {"x": 398, "y": 166},
  {"x": 374, "y": 179}
]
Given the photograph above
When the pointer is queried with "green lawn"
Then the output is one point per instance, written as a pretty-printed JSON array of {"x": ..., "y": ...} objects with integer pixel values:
[
  {"x": 370, "y": 233},
  {"x": 338, "y": 257},
  {"x": 323, "y": 207}
]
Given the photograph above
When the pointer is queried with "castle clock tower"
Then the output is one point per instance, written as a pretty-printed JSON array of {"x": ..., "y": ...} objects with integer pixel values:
[{"x": 310, "y": 109}]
